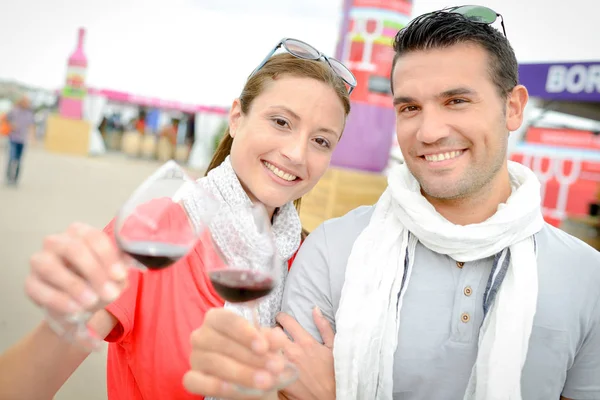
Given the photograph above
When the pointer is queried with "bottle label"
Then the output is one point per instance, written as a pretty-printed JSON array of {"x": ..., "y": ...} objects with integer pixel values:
[{"x": 75, "y": 85}]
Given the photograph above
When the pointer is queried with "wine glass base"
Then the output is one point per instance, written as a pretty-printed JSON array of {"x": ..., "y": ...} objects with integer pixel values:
[
  {"x": 73, "y": 329},
  {"x": 285, "y": 378},
  {"x": 85, "y": 338}
]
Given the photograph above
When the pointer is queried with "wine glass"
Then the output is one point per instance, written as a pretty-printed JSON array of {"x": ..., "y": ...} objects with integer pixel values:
[
  {"x": 159, "y": 223},
  {"x": 244, "y": 267},
  {"x": 162, "y": 220}
]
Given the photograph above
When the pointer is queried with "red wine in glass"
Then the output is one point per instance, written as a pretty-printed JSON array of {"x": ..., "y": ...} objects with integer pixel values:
[
  {"x": 154, "y": 255},
  {"x": 239, "y": 286}
]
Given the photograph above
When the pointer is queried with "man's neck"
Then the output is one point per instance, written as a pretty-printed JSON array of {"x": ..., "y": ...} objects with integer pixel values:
[{"x": 476, "y": 207}]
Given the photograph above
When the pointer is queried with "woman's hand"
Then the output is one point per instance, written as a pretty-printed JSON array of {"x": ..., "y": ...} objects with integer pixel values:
[
  {"x": 77, "y": 270},
  {"x": 228, "y": 350}
]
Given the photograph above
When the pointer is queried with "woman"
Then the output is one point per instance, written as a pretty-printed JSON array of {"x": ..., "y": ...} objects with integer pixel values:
[{"x": 282, "y": 132}]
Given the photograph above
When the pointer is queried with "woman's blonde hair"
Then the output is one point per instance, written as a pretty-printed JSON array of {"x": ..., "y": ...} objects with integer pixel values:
[{"x": 276, "y": 66}]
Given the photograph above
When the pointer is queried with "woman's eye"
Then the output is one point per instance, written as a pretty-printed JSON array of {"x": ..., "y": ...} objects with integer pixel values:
[
  {"x": 322, "y": 142},
  {"x": 281, "y": 122}
]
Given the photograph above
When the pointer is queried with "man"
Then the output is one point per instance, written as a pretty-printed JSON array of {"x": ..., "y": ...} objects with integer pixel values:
[
  {"x": 21, "y": 121},
  {"x": 451, "y": 286}
]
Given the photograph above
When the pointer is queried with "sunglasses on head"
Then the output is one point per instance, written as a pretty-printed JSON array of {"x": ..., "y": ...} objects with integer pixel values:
[
  {"x": 303, "y": 50},
  {"x": 477, "y": 14}
]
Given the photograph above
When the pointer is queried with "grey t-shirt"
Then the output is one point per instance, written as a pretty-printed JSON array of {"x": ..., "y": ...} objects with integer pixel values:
[
  {"x": 443, "y": 311},
  {"x": 21, "y": 120}
]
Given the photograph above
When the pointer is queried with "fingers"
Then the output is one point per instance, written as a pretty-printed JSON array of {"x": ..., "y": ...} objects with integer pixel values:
[
  {"x": 206, "y": 339},
  {"x": 296, "y": 331},
  {"x": 230, "y": 370},
  {"x": 46, "y": 296},
  {"x": 324, "y": 327},
  {"x": 77, "y": 256},
  {"x": 237, "y": 329},
  {"x": 78, "y": 253},
  {"x": 54, "y": 285},
  {"x": 196, "y": 382},
  {"x": 199, "y": 383},
  {"x": 104, "y": 250},
  {"x": 277, "y": 339},
  {"x": 228, "y": 348},
  {"x": 79, "y": 269}
]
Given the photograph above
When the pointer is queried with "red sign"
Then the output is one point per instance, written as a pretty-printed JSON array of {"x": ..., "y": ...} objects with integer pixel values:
[
  {"x": 564, "y": 138},
  {"x": 399, "y": 6},
  {"x": 569, "y": 185}
]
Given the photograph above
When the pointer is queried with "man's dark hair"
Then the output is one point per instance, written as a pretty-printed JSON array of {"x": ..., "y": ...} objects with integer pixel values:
[{"x": 442, "y": 29}]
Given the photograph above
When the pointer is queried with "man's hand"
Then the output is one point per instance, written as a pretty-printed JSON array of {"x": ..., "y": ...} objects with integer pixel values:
[{"x": 313, "y": 359}]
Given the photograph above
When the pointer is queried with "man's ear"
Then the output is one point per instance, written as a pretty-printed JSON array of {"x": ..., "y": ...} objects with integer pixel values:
[{"x": 515, "y": 105}]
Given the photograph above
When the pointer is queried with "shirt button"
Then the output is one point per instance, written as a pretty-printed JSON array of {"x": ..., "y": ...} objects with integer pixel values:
[
  {"x": 468, "y": 291},
  {"x": 465, "y": 317},
  {"x": 460, "y": 264}
]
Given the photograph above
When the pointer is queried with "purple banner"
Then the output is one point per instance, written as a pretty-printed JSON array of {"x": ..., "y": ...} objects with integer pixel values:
[
  {"x": 562, "y": 81},
  {"x": 366, "y": 36}
]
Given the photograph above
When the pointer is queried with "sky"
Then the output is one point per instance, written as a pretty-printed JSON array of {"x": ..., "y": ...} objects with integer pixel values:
[{"x": 201, "y": 51}]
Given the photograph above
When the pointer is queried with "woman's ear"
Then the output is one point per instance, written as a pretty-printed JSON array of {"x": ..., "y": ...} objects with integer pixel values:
[{"x": 235, "y": 114}]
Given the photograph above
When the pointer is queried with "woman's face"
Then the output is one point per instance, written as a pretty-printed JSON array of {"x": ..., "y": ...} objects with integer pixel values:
[{"x": 283, "y": 145}]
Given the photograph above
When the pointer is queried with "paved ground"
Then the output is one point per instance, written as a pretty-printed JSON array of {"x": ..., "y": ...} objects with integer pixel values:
[{"x": 54, "y": 191}]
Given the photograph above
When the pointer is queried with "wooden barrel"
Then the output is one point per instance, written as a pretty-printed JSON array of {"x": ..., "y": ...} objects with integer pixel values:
[
  {"x": 113, "y": 140},
  {"x": 130, "y": 143},
  {"x": 148, "y": 148},
  {"x": 164, "y": 150},
  {"x": 182, "y": 153}
]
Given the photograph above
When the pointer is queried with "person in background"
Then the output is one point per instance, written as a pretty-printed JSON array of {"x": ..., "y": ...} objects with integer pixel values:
[
  {"x": 140, "y": 122},
  {"x": 22, "y": 123},
  {"x": 170, "y": 131}
]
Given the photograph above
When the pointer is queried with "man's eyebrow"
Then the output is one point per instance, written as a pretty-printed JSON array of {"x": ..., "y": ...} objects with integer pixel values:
[
  {"x": 443, "y": 95},
  {"x": 456, "y": 92},
  {"x": 403, "y": 99}
]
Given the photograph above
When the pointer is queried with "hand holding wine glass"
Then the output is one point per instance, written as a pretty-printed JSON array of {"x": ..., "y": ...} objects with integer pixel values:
[
  {"x": 229, "y": 352},
  {"x": 76, "y": 273},
  {"x": 244, "y": 267},
  {"x": 154, "y": 228}
]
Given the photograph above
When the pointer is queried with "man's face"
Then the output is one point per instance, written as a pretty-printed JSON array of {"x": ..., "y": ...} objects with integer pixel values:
[{"x": 451, "y": 122}]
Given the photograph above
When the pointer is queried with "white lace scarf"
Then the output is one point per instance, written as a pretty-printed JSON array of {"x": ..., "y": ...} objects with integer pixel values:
[
  {"x": 379, "y": 270},
  {"x": 223, "y": 183}
]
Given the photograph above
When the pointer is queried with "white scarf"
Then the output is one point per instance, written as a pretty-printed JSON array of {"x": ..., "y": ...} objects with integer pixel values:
[
  {"x": 223, "y": 183},
  {"x": 378, "y": 273}
]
